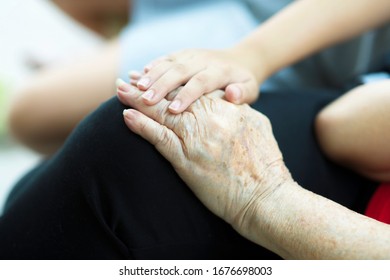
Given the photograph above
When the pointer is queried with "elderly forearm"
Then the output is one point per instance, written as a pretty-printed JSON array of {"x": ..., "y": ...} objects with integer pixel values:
[
  {"x": 305, "y": 27},
  {"x": 298, "y": 224}
]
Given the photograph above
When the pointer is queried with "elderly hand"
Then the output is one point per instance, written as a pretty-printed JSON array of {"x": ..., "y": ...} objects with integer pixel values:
[
  {"x": 201, "y": 72},
  {"x": 226, "y": 153}
]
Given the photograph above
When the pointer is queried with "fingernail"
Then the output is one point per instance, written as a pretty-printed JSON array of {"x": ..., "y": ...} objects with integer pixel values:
[
  {"x": 148, "y": 95},
  {"x": 175, "y": 105},
  {"x": 122, "y": 85},
  {"x": 134, "y": 74},
  {"x": 128, "y": 114},
  {"x": 144, "y": 82},
  {"x": 236, "y": 92}
]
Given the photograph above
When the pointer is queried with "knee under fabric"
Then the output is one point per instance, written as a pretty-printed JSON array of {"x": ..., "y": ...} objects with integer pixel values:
[{"x": 108, "y": 194}]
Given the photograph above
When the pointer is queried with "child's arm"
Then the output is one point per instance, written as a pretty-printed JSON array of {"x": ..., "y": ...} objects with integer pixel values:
[{"x": 301, "y": 29}]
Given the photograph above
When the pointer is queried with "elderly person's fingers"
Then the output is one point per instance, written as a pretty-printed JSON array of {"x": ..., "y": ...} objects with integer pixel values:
[
  {"x": 226, "y": 153},
  {"x": 164, "y": 140}
]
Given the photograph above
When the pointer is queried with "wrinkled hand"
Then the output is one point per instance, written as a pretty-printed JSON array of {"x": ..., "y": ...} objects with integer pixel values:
[
  {"x": 201, "y": 72},
  {"x": 226, "y": 153}
]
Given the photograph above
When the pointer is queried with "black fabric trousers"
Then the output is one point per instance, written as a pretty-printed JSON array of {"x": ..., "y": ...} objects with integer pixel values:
[{"x": 108, "y": 194}]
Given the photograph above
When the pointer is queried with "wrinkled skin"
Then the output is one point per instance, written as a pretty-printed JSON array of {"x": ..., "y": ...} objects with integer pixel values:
[{"x": 226, "y": 153}]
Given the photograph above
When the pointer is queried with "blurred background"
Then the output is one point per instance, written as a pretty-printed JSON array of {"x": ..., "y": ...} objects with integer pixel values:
[{"x": 33, "y": 34}]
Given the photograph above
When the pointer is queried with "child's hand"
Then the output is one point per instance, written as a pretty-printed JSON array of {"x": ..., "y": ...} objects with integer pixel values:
[{"x": 199, "y": 72}]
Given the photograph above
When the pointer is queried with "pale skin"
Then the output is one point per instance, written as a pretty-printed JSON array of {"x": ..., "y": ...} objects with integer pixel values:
[
  {"x": 355, "y": 130},
  {"x": 78, "y": 86},
  {"x": 314, "y": 24},
  {"x": 267, "y": 219},
  {"x": 238, "y": 172}
]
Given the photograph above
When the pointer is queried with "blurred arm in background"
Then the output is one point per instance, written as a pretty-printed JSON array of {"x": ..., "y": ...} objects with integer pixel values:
[{"x": 49, "y": 105}]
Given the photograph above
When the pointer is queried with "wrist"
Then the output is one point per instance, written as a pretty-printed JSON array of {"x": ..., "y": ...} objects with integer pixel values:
[
  {"x": 278, "y": 216},
  {"x": 253, "y": 60},
  {"x": 262, "y": 220}
]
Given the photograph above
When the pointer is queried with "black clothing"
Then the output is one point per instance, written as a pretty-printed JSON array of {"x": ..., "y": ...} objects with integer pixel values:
[{"x": 108, "y": 194}]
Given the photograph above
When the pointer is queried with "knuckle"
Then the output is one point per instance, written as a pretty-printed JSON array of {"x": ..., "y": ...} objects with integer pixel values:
[
  {"x": 143, "y": 126},
  {"x": 159, "y": 68},
  {"x": 181, "y": 68},
  {"x": 160, "y": 114},
  {"x": 227, "y": 72},
  {"x": 160, "y": 88},
  {"x": 173, "y": 93},
  {"x": 190, "y": 94},
  {"x": 200, "y": 79},
  {"x": 199, "y": 83},
  {"x": 162, "y": 138}
]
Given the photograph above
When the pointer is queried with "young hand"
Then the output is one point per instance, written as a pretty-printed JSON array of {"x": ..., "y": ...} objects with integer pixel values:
[{"x": 199, "y": 72}]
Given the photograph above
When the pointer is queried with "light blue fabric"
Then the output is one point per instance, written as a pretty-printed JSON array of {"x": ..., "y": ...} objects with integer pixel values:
[
  {"x": 163, "y": 26},
  {"x": 215, "y": 25}
]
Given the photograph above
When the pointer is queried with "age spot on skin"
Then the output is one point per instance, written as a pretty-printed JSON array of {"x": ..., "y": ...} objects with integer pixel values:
[{"x": 255, "y": 177}]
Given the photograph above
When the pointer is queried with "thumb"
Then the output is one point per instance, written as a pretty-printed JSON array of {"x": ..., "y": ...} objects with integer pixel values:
[
  {"x": 239, "y": 93},
  {"x": 161, "y": 137}
]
